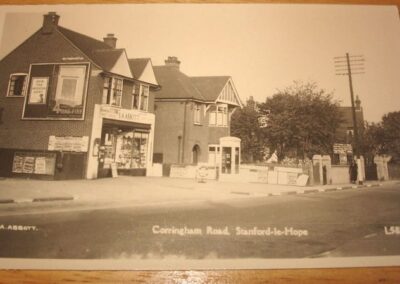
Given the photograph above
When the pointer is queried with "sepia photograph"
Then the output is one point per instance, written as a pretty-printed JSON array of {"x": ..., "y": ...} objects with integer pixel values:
[{"x": 183, "y": 136}]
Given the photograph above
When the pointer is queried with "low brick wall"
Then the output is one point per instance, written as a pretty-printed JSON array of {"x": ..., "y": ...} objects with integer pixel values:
[{"x": 193, "y": 171}]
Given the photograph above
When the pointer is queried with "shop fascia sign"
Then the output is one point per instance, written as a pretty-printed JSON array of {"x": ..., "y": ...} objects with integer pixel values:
[{"x": 126, "y": 114}]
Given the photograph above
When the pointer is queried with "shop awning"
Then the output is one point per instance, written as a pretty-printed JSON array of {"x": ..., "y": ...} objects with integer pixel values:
[{"x": 125, "y": 125}]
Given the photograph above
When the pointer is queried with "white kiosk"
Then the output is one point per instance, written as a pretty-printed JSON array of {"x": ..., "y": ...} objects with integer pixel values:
[{"x": 229, "y": 162}]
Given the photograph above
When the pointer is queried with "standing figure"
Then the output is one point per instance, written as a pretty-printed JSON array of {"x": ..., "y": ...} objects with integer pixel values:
[{"x": 353, "y": 172}]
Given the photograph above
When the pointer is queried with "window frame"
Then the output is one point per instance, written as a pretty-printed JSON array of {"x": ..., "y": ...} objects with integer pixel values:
[
  {"x": 197, "y": 114},
  {"x": 223, "y": 115},
  {"x": 135, "y": 97},
  {"x": 24, "y": 86},
  {"x": 144, "y": 97},
  {"x": 111, "y": 90}
]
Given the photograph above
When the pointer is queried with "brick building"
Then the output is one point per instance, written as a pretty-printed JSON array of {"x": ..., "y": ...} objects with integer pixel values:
[
  {"x": 345, "y": 133},
  {"x": 74, "y": 107},
  {"x": 192, "y": 115}
]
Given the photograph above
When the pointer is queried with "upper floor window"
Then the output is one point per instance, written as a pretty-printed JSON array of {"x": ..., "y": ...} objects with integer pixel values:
[
  {"x": 112, "y": 91},
  {"x": 17, "y": 85},
  {"x": 219, "y": 115},
  {"x": 144, "y": 97},
  {"x": 197, "y": 113},
  {"x": 222, "y": 115},
  {"x": 135, "y": 96}
]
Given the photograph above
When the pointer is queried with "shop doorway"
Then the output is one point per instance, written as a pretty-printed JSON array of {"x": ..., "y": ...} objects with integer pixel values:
[{"x": 73, "y": 166}]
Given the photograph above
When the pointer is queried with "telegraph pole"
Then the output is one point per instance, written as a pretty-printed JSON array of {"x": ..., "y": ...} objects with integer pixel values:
[{"x": 350, "y": 65}]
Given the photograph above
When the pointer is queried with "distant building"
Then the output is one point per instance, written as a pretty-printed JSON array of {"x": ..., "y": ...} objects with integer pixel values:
[
  {"x": 192, "y": 114},
  {"x": 74, "y": 107},
  {"x": 251, "y": 103},
  {"x": 345, "y": 133}
]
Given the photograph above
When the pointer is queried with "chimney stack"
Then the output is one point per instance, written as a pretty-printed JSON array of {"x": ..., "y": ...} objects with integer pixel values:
[
  {"x": 50, "y": 22},
  {"x": 172, "y": 61},
  {"x": 110, "y": 40}
]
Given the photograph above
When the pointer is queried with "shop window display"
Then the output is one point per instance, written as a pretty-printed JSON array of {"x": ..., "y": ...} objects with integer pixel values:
[{"x": 131, "y": 150}]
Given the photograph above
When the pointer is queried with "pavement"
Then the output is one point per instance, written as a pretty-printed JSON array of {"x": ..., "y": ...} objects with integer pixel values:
[{"x": 149, "y": 190}]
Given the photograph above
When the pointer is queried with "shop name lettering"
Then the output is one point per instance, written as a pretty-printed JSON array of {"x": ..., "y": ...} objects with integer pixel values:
[
  {"x": 119, "y": 114},
  {"x": 128, "y": 116},
  {"x": 226, "y": 231},
  {"x": 17, "y": 228},
  {"x": 392, "y": 230}
]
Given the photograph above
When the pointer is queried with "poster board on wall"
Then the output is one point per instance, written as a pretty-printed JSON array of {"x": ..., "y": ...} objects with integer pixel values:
[{"x": 34, "y": 163}]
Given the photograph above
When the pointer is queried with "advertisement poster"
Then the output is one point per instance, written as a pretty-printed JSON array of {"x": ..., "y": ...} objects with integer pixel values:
[{"x": 38, "y": 90}]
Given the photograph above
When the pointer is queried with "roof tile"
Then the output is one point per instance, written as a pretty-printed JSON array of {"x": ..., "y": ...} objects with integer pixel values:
[
  {"x": 175, "y": 84},
  {"x": 210, "y": 86},
  {"x": 137, "y": 66}
]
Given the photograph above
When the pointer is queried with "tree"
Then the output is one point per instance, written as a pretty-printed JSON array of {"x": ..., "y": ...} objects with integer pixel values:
[
  {"x": 244, "y": 124},
  {"x": 373, "y": 139},
  {"x": 384, "y": 137},
  {"x": 303, "y": 120}
]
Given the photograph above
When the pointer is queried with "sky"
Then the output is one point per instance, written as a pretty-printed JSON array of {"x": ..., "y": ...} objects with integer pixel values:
[{"x": 264, "y": 47}]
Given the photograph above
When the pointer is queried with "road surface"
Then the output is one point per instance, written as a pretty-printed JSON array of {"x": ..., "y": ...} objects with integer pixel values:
[{"x": 362, "y": 222}]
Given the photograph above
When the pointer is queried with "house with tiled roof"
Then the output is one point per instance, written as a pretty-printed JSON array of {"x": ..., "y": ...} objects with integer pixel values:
[
  {"x": 192, "y": 116},
  {"x": 345, "y": 131},
  {"x": 75, "y": 107}
]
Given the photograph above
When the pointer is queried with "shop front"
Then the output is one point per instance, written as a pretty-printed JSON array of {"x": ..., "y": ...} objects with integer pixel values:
[
  {"x": 225, "y": 156},
  {"x": 122, "y": 141},
  {"x": 124, "y": 147}
]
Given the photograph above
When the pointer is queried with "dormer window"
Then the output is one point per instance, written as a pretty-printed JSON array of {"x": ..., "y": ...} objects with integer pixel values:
[
  {"x": 112, "y": 91},
  {"x": 17, "y": 85}
]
